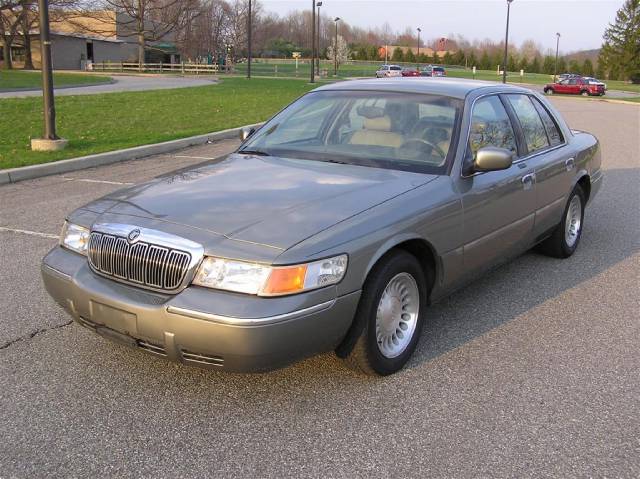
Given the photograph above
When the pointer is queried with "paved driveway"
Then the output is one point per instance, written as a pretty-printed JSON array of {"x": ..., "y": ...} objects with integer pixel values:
[
  {"x": 122, "y": 83},
  {"x": 532, "y": 371}
]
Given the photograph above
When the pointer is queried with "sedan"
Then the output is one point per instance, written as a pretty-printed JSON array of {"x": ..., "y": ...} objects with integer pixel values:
[
  {"x": 433, "y": 71},
  {"x": 333, "y": 227},
  {"x": 410, "y": 72}
]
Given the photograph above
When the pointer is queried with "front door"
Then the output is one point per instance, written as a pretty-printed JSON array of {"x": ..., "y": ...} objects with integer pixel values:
[{"x": 499, "y": 206}]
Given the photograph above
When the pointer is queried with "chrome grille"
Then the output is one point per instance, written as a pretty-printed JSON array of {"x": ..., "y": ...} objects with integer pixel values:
[{"x": 144, "y": 264}]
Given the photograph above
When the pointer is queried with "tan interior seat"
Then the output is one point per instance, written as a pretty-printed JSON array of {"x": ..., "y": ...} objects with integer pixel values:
[{"x": 377, "y": 132}]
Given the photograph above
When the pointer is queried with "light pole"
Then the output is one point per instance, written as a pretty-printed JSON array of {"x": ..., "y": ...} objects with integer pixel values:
[
  {"x": 418, "y": 56},
  {"x": 313, "y": 41},
  {"x": 318, "y": 4},
  {"x": 555, "y": 68},
  {"x": 249, "y": 28},
  {"x": 50, "y": 141},
  {"x": 335, "y": 49},
  {"x": 506, "y": 45}
]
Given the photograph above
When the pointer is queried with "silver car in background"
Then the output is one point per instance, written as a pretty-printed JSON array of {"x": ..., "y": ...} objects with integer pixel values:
[
  {"x": 389, "y": 71},
  {"x": 333, "y": 227}
]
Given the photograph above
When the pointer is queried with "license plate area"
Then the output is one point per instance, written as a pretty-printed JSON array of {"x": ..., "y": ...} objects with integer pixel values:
[{"x": 114, "y": 318}]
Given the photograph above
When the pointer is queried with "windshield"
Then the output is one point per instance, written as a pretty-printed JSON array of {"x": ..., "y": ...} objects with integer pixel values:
[{"x": 404, "y": 131}]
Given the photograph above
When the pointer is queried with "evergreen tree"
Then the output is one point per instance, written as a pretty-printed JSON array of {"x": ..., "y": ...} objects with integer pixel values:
[
  {"x": 397, "y": 56},
  {"x": 549, "y": 65},
  {"x": 524, "y": 64},
  {"x": 535, "y": 65},
  {"x": 422, "y": 58},
  {"x": 458, "y": 58},
  {"x": 511, "y": 64},
  {"x": 447, "y": 59},
  {"x": 587, "y": 68},
  {"x": 562, "y": 65},
  {"x": 485, "y": 61},
  {"x": 410, "y": 56},
  {"x": 473, "y": 61},
  {"x": 574, "y": 66},
  {"x": 621, "y": 47},
  {"x": 372, "y": 53}
]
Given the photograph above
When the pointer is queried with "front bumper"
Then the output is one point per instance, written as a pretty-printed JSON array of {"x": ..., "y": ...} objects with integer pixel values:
[{"x": 200, "y": 326}]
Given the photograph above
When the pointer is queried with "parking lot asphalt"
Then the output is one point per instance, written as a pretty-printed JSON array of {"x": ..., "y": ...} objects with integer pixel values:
[{"x": 532, "y": 371}]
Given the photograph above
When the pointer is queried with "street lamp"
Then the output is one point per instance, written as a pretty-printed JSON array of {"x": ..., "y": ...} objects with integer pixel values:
[
  {"x": 418, "y": 56},
  {"x": 318, "y": 4},
  {"x": 555, "y": 68},
  {"x": 313, "y": 41},
  {"x": 249, "y": 27},
  {"x": 506, "y": 45},
  {"x": 50, "y": 141},
  {"x": 335, "y": 49}
]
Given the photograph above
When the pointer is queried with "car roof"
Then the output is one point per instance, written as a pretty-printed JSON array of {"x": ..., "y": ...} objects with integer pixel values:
[{"x": 452, "y": 87}]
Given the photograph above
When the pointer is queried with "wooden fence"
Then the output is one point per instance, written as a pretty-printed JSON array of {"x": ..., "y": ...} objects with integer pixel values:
[{"x": 182, "y": 68}]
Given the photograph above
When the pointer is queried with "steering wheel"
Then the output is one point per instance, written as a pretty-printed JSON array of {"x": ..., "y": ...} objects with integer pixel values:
[{"x": 421, "y": 143}]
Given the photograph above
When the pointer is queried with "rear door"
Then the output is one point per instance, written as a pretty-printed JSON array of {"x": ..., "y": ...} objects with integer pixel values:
[
  {"x": 547, "y": 153},
  {"x": 499, "y": 206}
]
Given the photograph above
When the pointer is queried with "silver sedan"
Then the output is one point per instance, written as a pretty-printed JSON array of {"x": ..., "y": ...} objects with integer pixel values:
[{"x": 333, "y": 227}]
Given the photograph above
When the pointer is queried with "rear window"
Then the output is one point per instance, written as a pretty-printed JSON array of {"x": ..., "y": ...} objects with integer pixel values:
[{"x": 438, "y": 69}]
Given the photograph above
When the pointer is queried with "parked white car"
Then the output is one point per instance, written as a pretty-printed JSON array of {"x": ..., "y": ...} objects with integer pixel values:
[{"x": 386, "y": 71}]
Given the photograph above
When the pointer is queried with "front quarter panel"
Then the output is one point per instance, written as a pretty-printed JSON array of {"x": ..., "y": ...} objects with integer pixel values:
[{"x": 431, "y": 213}]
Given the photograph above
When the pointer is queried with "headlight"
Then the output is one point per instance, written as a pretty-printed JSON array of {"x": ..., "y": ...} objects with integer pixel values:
[
  {"x": 75, "y": 237},
  {"x": 262, "y": 280}
]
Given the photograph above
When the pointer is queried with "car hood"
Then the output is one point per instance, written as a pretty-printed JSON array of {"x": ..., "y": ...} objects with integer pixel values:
[{"x": 269, "y": 201}]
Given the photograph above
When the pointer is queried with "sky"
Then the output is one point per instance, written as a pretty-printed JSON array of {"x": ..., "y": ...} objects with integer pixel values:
[{"x": 581, "y": 23}]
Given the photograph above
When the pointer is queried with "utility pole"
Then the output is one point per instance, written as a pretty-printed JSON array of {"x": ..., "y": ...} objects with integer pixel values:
[
  {"x": 50, "y": 141},
  {"x": 313, "y": 41},
  {"x": 555, "y": 68},
  {"x": 249, "y": 28},
  {"x": 506, "y": 45},
  {"x": 319, "y": 4},
  {"x": 335, "y": 49},
  {"x": 418, "y": 56}
]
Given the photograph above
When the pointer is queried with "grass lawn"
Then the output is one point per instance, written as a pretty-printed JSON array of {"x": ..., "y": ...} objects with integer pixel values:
[
  {"x": 105, "y": 122},
  {"x": 18, "y": 79}
]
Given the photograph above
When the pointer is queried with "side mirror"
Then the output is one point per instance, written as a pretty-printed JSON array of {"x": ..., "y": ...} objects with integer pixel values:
[
  {"x": 246, "y": 133},
  {"x": 491, "y": 158}
]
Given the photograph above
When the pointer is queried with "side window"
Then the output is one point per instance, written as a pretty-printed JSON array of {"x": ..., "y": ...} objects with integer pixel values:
[
  {"x": 491, "y": 126},
  {"x": 532, "y": 127},
  {"x": 553, "y": 132},
  {"x": 573, "y": 81}
]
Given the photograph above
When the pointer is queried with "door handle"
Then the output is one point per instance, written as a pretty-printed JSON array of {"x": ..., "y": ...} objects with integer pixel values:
[
  {"x": 528, "y": 180},
  {"x": 570, "y": 164}
]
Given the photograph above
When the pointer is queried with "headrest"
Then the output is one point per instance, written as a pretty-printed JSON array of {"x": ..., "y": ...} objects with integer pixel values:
[
  {"x": 382, "y": 123},
  {"x": 369, "y": 111}
]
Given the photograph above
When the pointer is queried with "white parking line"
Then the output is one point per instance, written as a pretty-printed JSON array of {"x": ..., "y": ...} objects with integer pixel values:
[
  {"x": 106, "y": 182},
  {"x": 27, "y": 232}
]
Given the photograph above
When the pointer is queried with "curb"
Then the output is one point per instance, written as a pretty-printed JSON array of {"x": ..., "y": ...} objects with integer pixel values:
[
  {"x": 63, "y": 87},
  {"x": 14, "y": 175}
]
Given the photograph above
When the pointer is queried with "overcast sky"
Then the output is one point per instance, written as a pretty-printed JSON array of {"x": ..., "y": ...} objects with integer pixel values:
[{"x": 580, "y": 22}]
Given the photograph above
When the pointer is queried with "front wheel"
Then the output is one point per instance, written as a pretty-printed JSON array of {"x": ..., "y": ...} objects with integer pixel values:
[
  {"x": 584, "y": 93},
  {"x": 549, "y": 91},
  {"x": 564, "y": 240},
  {"x": 391, "y": 315}
]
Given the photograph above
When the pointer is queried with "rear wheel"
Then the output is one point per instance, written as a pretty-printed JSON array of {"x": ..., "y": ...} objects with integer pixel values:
[
  {"x": 565, "y": 238},
  {"x": 391, "y": 312},
  {"x": 584, "y": 93},
  {"x": 549, "y": 91}
]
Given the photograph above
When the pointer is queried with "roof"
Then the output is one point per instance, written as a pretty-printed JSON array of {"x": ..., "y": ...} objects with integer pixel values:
[{"x": 451, "y": 87}]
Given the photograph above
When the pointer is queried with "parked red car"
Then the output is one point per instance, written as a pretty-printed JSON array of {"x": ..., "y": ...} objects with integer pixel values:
[
  {"x": 575, "y": 86},
  {"x": 410, "y": 72}
]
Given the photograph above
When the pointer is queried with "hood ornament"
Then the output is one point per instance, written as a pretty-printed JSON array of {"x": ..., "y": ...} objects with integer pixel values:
[{"x": 133, "y": 235}]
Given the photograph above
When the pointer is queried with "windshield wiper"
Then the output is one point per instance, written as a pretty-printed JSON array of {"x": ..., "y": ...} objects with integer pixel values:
[{"x": 254, "y": 152}]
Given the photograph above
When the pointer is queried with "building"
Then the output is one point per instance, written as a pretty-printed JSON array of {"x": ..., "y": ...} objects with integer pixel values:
[{"x": 103, "y": 36}]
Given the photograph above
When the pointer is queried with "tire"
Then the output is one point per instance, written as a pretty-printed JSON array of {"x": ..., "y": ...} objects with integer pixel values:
[
  {"x": 549, "y": 91},
  {"x": 385, "y": 311},
  {"x": 565, "y": 238},
  {"x": 584, "y": 93}
]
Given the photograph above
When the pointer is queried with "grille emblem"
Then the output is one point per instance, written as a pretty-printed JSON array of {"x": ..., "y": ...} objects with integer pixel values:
[{"x": 133, "y": 236}]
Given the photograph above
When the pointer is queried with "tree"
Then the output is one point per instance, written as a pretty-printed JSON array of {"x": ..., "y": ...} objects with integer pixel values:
[
  {"x": 621, "y": 46},
  {"x": 524, "y": 64},
  {"x": 472, "y": 60},
  {"x": 549, "y": 65},
  {"x": 410, "y": 56},
  {"x": 485, "y": 61},
  {"x": 535, "y": 65},
  {"x": 397, "y": 56},
  {"x": 340, "y": 53},
  {"x": 587, "y": 68},
  {"x": 574, "y": 66},
  {"x": 448, "y": 58},
  {"x": 511, "y": 64},
  {"x": 10, "y": 19}
]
